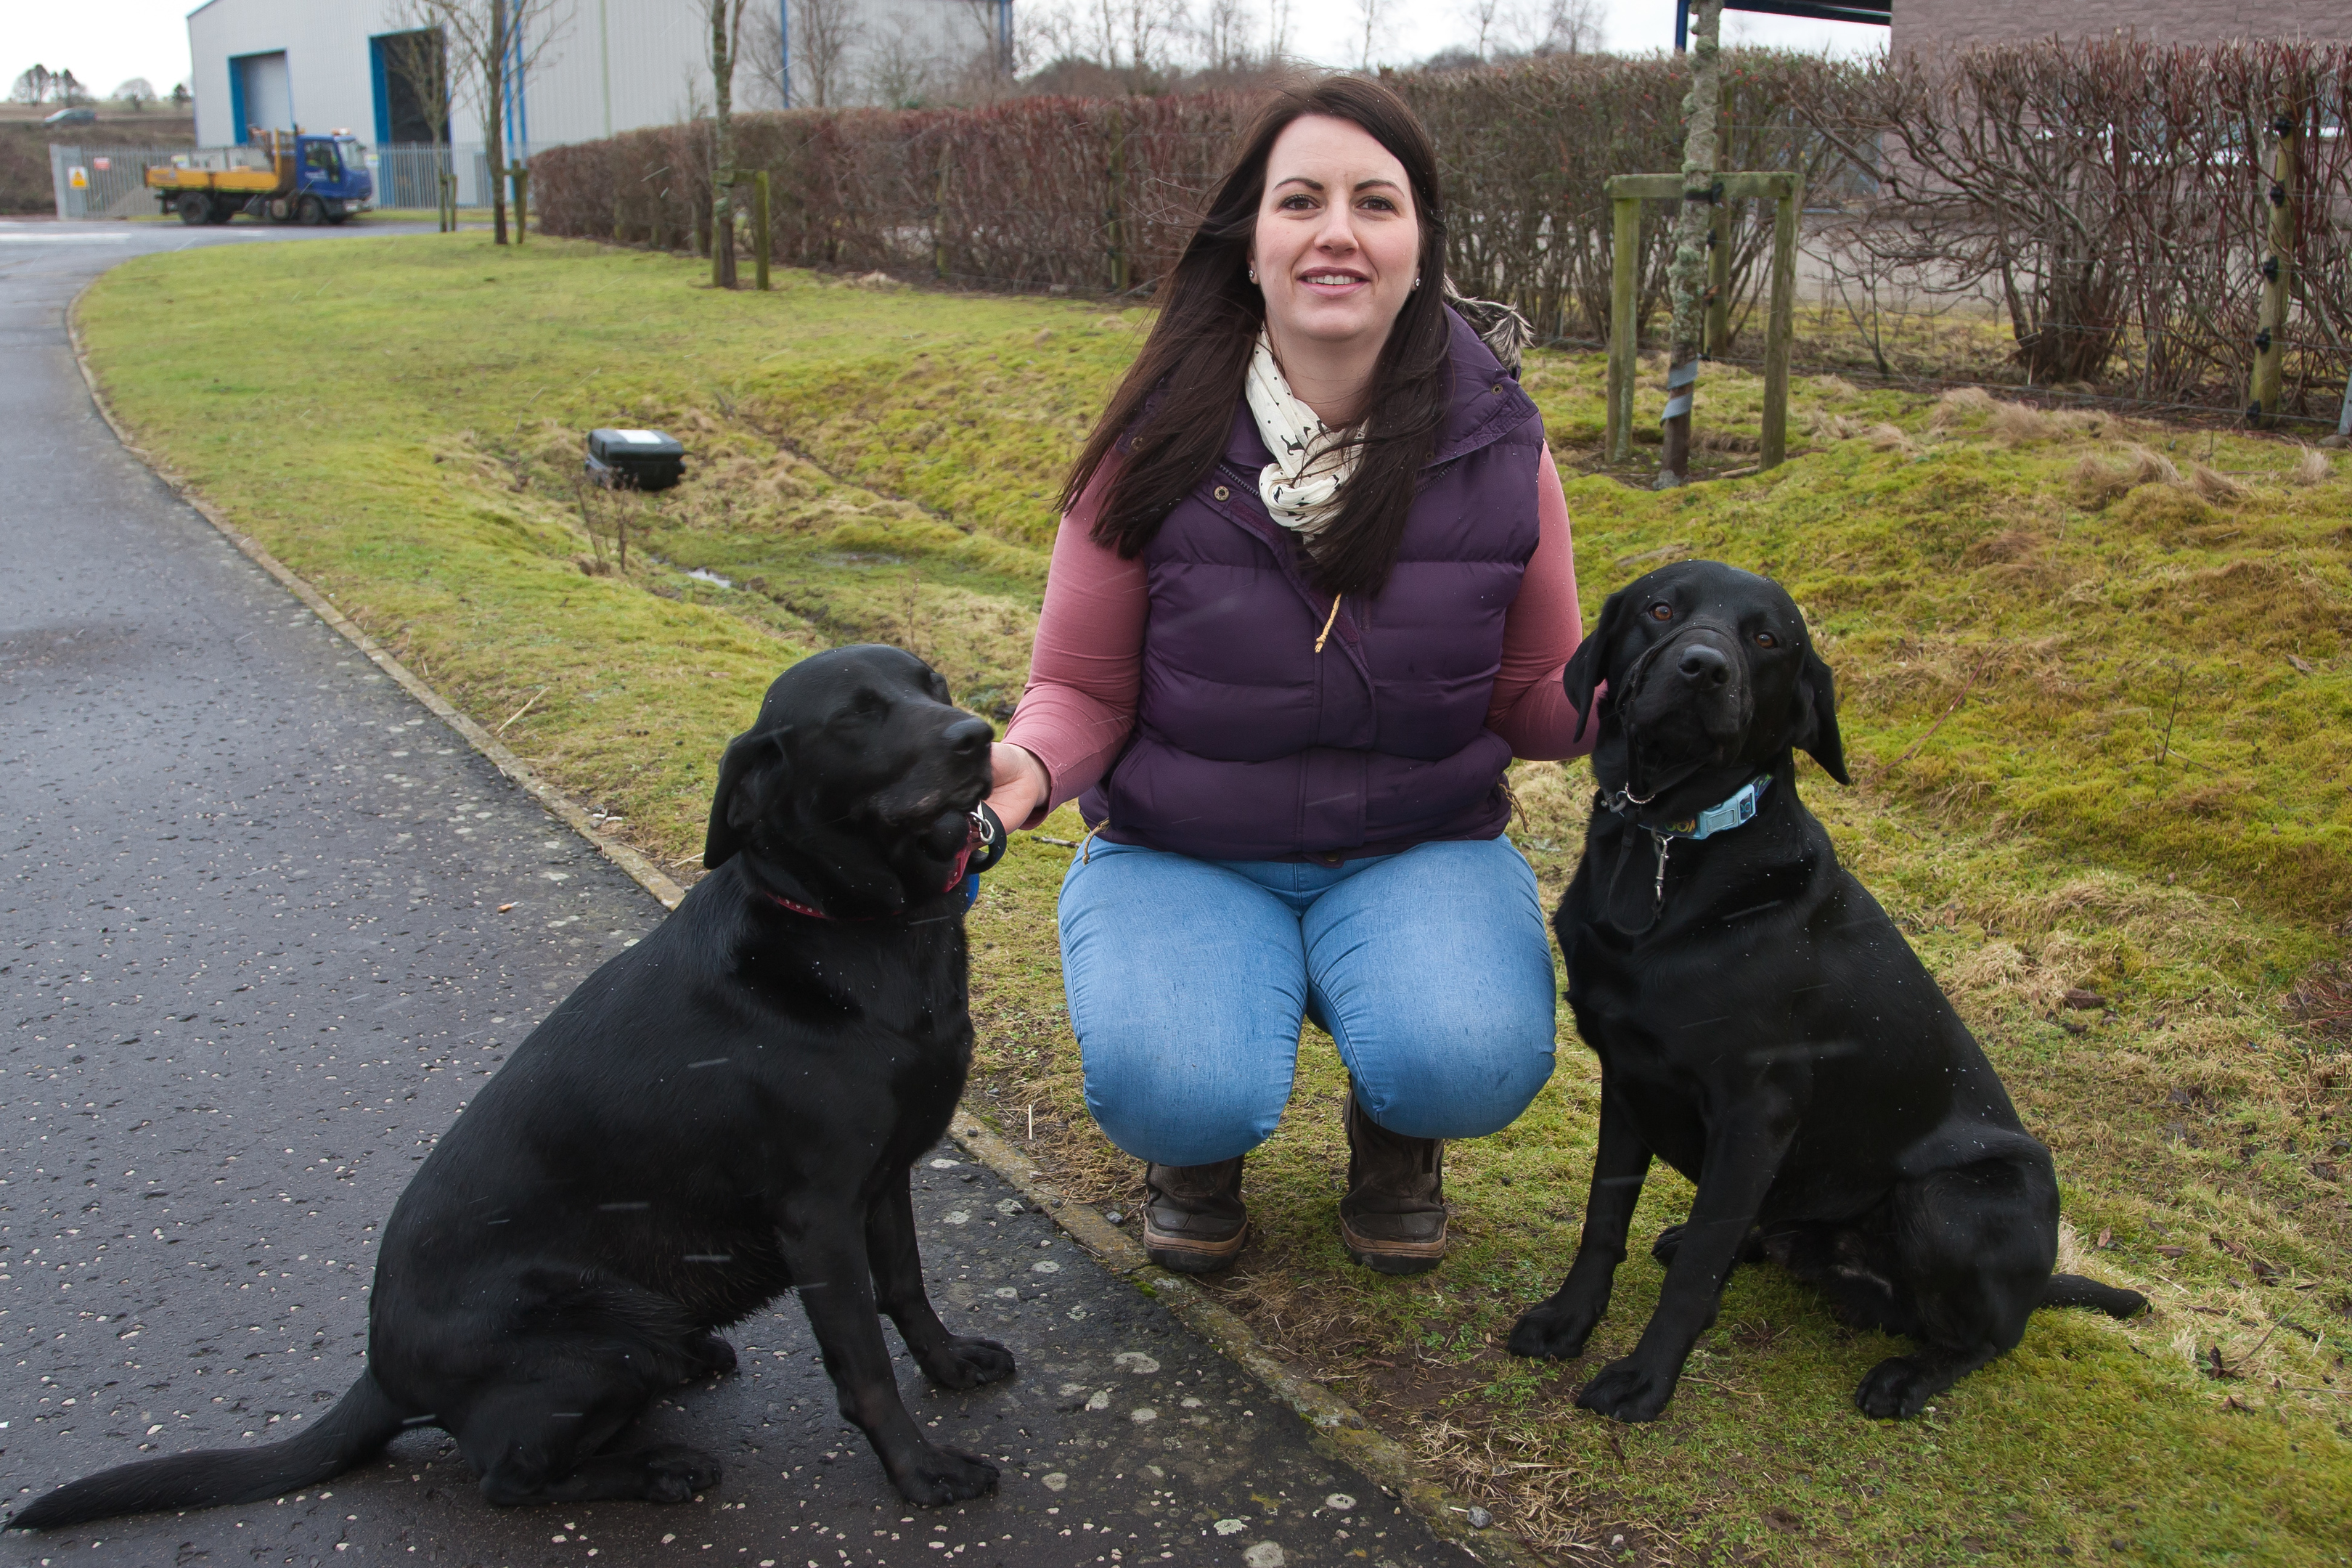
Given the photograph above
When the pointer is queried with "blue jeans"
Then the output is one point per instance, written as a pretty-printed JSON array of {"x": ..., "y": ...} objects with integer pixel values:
[{"x": 1188, "y": 980}]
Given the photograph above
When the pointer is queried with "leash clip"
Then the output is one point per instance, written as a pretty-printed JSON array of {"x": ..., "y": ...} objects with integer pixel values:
[{"x": 986, "y": 843}]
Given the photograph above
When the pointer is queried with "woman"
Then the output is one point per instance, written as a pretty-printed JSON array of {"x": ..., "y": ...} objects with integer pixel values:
[{"x": 1313, "y": 590}]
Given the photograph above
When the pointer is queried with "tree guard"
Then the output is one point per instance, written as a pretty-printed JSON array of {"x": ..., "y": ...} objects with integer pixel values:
[{"x": 1626, "y": 193}]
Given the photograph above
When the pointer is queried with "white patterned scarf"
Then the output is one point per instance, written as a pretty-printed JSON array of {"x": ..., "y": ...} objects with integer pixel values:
[{"x": 1301, "y": 486}]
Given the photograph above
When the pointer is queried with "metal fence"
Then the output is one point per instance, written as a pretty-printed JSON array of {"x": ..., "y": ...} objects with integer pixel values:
[
  {"x": 408, "y": 175},
  {"x": 106, "y": 182}
]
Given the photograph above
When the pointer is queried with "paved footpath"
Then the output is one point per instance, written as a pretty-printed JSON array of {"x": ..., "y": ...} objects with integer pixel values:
[{"x": 252, "y": 963}]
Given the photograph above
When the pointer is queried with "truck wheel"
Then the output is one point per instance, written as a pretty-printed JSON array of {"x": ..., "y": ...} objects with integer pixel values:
[
  {"x": 311, "y": 212},
  {"x": 194, "y": 209},
  {"x": 223, "y": 210}
]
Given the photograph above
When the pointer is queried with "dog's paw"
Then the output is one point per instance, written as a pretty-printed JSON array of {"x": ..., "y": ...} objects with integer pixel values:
[
  {"x": 675, "y": 1474},
  {"x": 1629, "y": 1389},
  {"x": 1669, "y": 1242},
  {"x": 1556, "y": 1328},
  {"x": 711, "y": 1356},
  {"x": 935, "y": 1474},
  {"x": 1895, "y": 1390},
  {"x": 968, "y": 1363}
]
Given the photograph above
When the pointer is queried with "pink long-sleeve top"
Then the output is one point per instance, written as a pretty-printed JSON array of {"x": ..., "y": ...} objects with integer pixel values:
[{"x": 1087, "y": 668}]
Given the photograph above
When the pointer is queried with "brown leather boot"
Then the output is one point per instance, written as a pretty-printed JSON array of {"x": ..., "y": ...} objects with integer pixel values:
[
  {"x": 1194, "y": 1222},
  {"x": 1393, "y": 1218}
]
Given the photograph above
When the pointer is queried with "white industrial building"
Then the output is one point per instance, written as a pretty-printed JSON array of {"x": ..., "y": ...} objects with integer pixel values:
[{"x": 591, "y": 68}]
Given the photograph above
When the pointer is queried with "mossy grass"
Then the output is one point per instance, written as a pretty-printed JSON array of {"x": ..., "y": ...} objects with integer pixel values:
[{"x": 2096, "y": 702}]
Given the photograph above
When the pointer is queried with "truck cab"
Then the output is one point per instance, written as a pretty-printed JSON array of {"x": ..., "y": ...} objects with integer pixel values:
[{"x": 331, "y": 170}]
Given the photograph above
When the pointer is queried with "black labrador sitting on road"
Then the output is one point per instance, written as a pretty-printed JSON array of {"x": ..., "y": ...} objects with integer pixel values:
[
  {"x": 1763, "y": 1027},
  {"x": 728, "y": 1111}
]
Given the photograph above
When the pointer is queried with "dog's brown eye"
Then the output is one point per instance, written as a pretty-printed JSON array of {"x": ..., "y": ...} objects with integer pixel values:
[
  {"x": 1766, "y": 639},
  {"x": 1662, "y": 612}
]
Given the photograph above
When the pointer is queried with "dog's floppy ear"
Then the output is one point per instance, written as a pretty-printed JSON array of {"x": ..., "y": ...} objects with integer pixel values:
[
  {"x": 1817, "y": 725},
  {"x": 749, "y": 774},
  {"x": 1586, "y": 667}
]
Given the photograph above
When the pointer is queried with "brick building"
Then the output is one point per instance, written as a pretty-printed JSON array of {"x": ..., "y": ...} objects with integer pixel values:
[{"x": 1933, "y": 27}]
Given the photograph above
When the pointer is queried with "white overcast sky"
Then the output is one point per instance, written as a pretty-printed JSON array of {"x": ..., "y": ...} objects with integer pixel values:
[{"x": 104, "y": 42}]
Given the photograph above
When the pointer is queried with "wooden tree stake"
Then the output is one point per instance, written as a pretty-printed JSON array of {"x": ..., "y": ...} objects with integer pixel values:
[
  {"x": 2270, "y": 337},
  {"x": 759, "y": 239}
]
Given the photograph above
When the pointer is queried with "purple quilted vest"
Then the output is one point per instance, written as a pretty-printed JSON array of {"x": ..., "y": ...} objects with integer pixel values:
[{"x": 1249, "y": 744}]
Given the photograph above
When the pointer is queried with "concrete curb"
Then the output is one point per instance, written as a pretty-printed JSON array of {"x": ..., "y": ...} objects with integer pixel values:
[{"x": 1339, "y": 1429}]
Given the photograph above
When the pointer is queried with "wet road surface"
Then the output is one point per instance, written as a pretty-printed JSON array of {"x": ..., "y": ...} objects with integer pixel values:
[{"x": 266, "y": 926}]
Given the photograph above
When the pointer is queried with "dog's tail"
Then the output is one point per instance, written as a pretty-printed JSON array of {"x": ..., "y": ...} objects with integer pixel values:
[
  {"x": 2075, "y": 1290},
  {"x": 362, "y": 1422}
]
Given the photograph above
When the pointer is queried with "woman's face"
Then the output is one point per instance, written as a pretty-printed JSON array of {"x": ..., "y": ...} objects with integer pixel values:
[{"x": 1338, "y": 243}]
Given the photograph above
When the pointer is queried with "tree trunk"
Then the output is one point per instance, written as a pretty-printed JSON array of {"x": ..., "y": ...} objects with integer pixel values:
[
  {"x": 722, "y": 151},
  {"x": 1688, "y": 272},
  {"x": 494, "y": 131}
]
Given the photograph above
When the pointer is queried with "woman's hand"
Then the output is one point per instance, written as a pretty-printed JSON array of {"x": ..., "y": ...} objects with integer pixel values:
[{"x": 1021, "y": 784}]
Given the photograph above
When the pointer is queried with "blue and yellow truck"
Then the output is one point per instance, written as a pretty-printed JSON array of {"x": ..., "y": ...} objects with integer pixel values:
[{"x": 287, "y": 176}]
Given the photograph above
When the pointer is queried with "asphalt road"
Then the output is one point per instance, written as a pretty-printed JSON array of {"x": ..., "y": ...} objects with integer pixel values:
[{"x": 253, "y": 961}]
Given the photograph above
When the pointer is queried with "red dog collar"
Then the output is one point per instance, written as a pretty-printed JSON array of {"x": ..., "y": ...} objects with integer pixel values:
[{"x": 975, "y": 837}]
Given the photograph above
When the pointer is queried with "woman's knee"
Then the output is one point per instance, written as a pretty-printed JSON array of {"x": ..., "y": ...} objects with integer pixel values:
[
  {"x": 1164, "y": 1100},
  {"x": 1453, "y": 1098},
  {"x": 1464, "y": 1071},
  {"x": 1186, "y": 985}
]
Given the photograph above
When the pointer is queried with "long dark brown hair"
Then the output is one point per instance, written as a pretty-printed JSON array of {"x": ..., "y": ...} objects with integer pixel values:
[{"x": 1170, "y": 417}]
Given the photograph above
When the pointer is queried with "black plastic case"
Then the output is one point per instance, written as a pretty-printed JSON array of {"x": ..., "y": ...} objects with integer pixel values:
[{"x": 634, "y": 459}]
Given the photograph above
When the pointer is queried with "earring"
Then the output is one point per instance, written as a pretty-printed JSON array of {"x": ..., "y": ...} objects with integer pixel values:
[
  {"x": 1416, "y": 279},
  {"x": 1253, "y": 271}
]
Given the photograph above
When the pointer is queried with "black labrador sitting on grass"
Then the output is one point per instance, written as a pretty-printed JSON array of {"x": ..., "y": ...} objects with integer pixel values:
[
  {"x": 1764, "y": 1029},
  {"x": 728, "y": 1111}
]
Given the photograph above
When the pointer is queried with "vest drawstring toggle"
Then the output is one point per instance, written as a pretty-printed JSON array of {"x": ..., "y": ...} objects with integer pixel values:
[{"x": 1328, "y": 621}]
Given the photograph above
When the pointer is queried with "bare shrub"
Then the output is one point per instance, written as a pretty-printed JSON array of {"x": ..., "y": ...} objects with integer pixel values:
[{"x": 2110, "y": 197}]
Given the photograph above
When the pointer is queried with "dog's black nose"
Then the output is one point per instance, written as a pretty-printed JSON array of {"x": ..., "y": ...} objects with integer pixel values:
[
  {"x": 1704, "y": 666},
  {"x": 966, "y": 737}
]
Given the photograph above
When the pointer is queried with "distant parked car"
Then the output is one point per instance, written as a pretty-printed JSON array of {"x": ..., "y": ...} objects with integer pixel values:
[{"x": 81, "y": 116}]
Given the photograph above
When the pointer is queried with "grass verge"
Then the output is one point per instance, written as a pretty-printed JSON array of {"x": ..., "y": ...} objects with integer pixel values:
[{"x": 2096, "y": 697}]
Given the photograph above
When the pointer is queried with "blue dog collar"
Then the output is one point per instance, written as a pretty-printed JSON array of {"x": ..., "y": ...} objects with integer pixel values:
[{"x": 1733, "y": 813}]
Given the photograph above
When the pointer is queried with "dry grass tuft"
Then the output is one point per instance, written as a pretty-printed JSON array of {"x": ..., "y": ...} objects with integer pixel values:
[
  {"x": 1828, "y": 426},
  {"x": 1835, "y": 386},
  {"x": 2311, "y": 469},
  {"x": 2098, "y": 483},
  {"x": 2322, "y": 1001},
  {"x": 2019, "y": 423},
  {"x": 2152, "y": 467},
  {"x": 1889, "y": 438},
  {"x": 2218, "y": 487},
  {"x": 1959, "y": 405},
  {"x": 1726, "y": 441}
]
